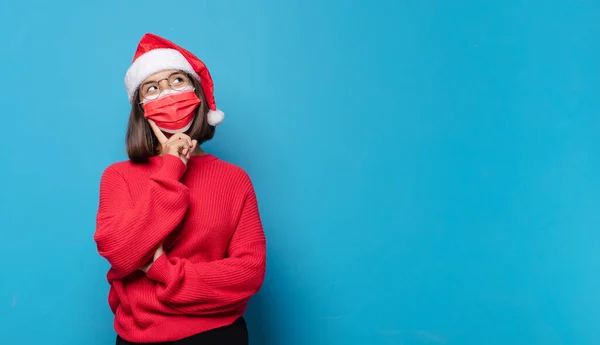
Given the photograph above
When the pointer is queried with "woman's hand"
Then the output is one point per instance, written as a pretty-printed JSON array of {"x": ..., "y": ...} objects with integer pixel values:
[
  {"x": 179, "y": 144},
  {"x": 157, "y": 254}
]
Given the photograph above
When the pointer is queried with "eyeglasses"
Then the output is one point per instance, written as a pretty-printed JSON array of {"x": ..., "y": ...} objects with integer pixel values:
[{"x": 177, "y": 81}]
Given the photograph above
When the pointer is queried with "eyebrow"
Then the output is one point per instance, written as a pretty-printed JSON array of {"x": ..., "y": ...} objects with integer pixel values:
[{"x": 154, "y": 81}]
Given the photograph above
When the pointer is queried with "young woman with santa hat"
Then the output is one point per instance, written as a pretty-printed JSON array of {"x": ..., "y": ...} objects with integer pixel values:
[{"x": 179, "y": 227}]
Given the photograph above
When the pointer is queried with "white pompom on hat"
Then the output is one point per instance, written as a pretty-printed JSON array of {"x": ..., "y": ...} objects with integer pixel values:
[{"x": 155, "y": 54}]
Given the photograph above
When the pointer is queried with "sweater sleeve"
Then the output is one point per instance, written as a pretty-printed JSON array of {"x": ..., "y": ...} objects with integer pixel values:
[
  {"x": 128, "y": 232},
  {"x": 217, "y": 286}
]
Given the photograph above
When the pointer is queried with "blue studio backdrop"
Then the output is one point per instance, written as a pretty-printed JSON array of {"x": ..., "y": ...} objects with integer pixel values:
[{"x": 427, "y": 171}]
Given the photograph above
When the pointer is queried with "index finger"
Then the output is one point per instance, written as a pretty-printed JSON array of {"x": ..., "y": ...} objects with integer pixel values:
[{"x": 162, "y": 138}]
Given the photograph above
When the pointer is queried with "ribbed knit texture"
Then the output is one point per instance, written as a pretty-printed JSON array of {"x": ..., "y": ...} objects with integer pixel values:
[{"x": 207, "y": 218}]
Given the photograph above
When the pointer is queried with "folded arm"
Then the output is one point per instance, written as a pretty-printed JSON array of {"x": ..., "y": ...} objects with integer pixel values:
[{"x": 217, "y": 286}]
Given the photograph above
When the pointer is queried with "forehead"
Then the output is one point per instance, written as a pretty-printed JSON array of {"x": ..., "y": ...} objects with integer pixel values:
[{"x": 160, "y": 75}]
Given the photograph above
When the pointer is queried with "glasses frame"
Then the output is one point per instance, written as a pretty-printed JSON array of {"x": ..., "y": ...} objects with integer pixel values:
[{"x": 189, "y": 79}]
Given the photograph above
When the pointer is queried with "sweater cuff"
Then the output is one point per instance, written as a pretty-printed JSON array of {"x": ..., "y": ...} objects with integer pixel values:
[
  {"x": 159, "y": 270},
  {"x": 172, "y": 167}
]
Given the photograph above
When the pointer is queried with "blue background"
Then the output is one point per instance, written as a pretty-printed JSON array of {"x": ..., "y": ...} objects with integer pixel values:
[{"x": 427, "y": 171}]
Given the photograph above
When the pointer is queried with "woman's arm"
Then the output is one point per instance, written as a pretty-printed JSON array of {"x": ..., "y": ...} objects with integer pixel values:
[
  {"x": 127, "y": 233},
  {"x": 217, "y": 286}
]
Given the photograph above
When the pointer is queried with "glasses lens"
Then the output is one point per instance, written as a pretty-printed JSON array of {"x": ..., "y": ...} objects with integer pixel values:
[
  {"x": 150, "y": 91},
  {"x": 179, "y": 81}
]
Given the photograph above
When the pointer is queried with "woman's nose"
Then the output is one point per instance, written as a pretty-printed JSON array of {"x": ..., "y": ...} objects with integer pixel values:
[{"x": 164, "y": 84}]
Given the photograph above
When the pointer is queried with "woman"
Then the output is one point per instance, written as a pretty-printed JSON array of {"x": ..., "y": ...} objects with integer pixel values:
[{"x": 179, "y": 227}]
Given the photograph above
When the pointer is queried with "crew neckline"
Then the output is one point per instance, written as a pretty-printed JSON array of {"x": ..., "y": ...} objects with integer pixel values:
[
  {"x": 203, "y": 158},
  {"x": 207, "y": 157}
]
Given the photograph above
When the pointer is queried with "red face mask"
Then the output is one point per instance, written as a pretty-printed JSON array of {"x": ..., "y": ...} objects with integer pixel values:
[{"x": 174, "y": 112}]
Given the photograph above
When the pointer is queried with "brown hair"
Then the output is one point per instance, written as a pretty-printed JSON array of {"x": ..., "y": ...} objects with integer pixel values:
[{"x": 140, "y": 140}]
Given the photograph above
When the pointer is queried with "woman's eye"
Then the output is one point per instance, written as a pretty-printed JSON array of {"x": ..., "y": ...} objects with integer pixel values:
[
  {"x": 178, "y": 80},
  {"x": 151, "y": 88}
]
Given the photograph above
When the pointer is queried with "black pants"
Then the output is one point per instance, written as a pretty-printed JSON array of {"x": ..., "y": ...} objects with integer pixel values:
[{"x": 234, "y": 334}]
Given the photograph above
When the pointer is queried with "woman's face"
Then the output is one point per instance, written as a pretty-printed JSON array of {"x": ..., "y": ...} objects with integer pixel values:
[{"x": 156, "y": 84}]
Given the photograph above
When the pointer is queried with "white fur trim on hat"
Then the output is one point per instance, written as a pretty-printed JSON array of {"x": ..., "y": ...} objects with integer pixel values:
[
  {"x": 215, "y": 117},
  {"x": 154, "y": 61}
]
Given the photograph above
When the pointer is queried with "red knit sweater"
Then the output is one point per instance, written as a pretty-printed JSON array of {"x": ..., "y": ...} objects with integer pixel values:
[{"x": 206, "y": 216}]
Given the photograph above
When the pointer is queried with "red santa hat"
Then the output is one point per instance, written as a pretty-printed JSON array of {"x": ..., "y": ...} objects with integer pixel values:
[{"x": 155, "y": 54}]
